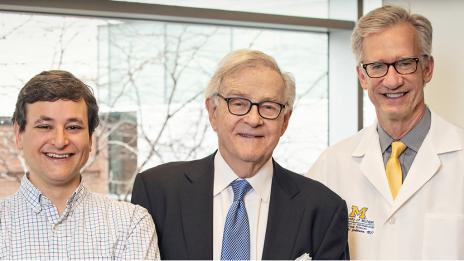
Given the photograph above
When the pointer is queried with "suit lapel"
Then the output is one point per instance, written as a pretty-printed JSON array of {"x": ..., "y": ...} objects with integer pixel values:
[
  {"x": 197, "y": 209},
  {"x": 284, "y": 217}
]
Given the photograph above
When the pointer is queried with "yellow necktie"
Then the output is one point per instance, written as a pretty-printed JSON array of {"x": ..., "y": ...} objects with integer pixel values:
[{"x": 393, "y": 168}]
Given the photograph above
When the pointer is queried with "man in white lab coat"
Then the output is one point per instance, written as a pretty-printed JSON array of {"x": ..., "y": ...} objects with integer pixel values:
[{"x": 403, "y": 177}]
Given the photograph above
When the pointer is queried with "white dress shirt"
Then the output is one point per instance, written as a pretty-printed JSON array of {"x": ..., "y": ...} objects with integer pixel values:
[{"x": 256, "y": 204}]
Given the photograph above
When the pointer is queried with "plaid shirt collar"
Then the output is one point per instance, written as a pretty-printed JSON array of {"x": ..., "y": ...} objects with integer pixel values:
[{"x": 37, "y": 201}]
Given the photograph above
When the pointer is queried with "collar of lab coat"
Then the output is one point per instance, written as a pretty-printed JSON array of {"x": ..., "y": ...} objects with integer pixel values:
[{"x": 443, "y": 137}]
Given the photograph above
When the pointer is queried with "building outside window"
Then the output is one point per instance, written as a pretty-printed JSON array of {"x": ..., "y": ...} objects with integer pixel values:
[{"x": 149, "y": 78}]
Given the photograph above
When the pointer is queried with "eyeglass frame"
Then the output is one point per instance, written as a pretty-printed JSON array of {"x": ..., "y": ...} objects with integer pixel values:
[
  {"x": 394, "y": 64},
  {"x": 258, "y": 104}
]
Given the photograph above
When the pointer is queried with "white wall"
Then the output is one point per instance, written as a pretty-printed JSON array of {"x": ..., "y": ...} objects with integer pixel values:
[{"x": 445, "y": 93}]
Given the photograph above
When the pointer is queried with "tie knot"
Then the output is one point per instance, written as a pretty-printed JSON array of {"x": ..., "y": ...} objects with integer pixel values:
[
  {"x": 240, "y": 187},
  {"x": 397, "y": 148}
]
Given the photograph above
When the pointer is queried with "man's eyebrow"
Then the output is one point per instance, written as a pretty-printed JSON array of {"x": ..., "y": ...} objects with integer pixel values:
[
  {"x": 43, "y": 118},
  {"x": 70, "y": 120},
  {"x": 238, "y": 93},
  {"x": 75, "y": 120}
]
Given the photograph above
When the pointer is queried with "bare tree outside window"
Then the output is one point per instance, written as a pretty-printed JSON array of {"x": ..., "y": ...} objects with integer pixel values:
[{"x": 149, "y": 79}]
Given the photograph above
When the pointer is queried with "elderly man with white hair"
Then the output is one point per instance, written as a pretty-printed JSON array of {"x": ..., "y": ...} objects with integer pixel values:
[{"x": 238, "y": 203}]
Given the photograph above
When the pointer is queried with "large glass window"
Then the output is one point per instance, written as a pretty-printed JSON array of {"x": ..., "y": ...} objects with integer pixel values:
[{"x": 149, "y": 79}]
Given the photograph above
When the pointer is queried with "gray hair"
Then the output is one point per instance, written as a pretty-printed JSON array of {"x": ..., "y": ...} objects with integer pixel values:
[
  {"x": 381, "y": 18},
  {"x": 244, "y": 58}
]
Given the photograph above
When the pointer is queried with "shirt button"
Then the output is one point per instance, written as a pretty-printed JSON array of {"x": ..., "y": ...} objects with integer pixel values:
[{"x": 392, "y": 221}]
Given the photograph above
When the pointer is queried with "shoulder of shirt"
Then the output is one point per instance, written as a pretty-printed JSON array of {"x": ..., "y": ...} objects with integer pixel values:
[
  {"x": 116, "y": 207},
  {"x": 4, "y": 203},
  {"x": 9, "y": 201}
]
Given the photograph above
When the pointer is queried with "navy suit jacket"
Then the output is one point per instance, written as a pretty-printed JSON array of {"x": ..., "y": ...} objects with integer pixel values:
[{"x": 304, "y": 215}]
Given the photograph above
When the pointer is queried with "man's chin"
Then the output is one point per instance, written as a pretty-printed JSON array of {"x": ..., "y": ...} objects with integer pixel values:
[
  {"x": 394, "y": 114},
  {"x": 63, "y": 177},
  {"x": 251, "y": 157}
]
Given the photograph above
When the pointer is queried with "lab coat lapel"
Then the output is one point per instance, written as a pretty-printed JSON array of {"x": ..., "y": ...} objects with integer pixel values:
[
  {"x": 425, "y": 166},
  {"x": 442, "y": 138},
  {"x": 370, "y": 159}
]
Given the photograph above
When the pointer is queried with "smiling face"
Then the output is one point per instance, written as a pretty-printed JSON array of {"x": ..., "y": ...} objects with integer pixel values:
[
  {"x": 56, "y": 142},
  {"x": 248, "y": 140},
  {"x": 397, "y": 98}
]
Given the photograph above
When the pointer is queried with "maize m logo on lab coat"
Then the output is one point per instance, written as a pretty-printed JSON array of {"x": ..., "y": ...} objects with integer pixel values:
[{"x": 358, "y": 221}]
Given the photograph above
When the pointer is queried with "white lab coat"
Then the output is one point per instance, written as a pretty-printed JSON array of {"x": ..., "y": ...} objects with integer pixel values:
[{"x": 425, "y": 221}]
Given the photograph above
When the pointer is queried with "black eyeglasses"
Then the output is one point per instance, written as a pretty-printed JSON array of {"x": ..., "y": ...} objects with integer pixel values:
[
  {"x": 379, "y": 69},
  {"x": 240, "y": 106}
]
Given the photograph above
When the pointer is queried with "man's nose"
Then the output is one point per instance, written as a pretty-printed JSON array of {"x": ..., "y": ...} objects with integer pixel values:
[
  {"x": 392, "y": 79},
  {"x": 60, "y": 138},
  {"x": 253, "y": 117}
]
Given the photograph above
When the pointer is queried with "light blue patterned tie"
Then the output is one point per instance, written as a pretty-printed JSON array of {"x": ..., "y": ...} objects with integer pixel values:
[{"x": 236, "y": 240}]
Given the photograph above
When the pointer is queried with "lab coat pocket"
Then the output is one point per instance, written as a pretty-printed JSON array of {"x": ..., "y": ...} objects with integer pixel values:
[{"x": 443, "y": 236}]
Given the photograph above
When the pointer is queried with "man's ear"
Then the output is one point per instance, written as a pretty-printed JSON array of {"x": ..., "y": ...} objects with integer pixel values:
[
  {"x": 427, "y": 72},
  {"x": 286, "y": 121},
  {"x": 18, "y": 136},
  {"x": 211, "y": 106},
  {"x": 362, "y": 77}
]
